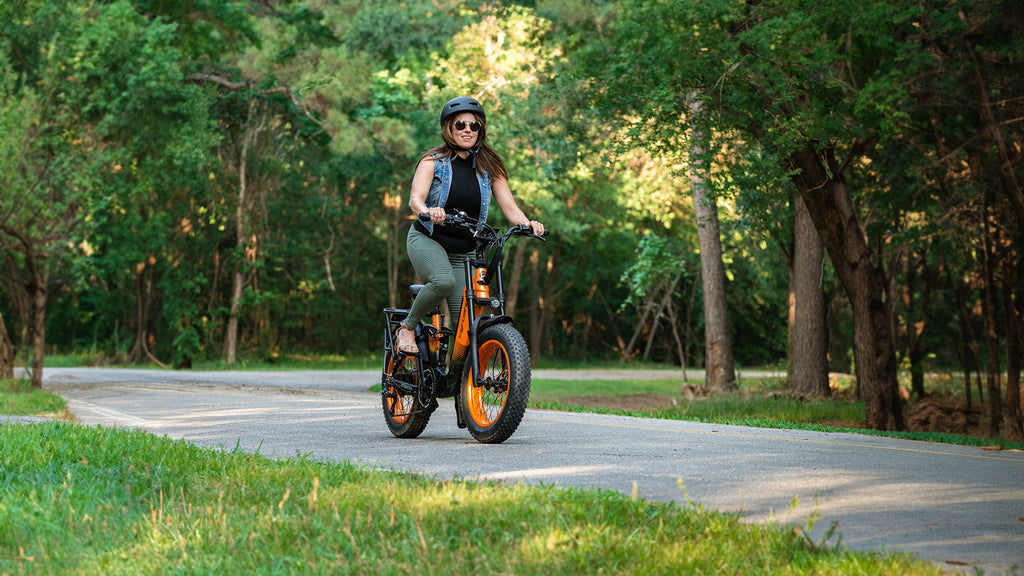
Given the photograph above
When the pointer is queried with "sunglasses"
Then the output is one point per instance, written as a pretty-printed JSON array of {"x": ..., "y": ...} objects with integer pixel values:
[{"x": 460, "y": 125}]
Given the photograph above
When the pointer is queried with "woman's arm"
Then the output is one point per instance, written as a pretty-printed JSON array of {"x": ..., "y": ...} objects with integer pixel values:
[
  {"x": 421, "y": 181},
  {"x": 507, "y": 203}
]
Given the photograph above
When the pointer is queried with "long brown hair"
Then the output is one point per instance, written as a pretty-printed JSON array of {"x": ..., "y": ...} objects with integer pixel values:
[{"x": 487, "y": 160}]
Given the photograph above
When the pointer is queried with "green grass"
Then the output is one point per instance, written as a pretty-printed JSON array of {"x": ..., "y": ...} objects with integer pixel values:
[
  {"x": 18, "y": 398},
  {"x": 92, "y": 500},
  {"x": 544, "y": 390}
]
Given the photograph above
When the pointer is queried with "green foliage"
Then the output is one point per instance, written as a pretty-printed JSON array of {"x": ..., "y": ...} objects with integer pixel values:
[
  {"x": 394, "y": 32},
  {"x": 122, "y": 125},
  {"x": 207, "y": 30}
]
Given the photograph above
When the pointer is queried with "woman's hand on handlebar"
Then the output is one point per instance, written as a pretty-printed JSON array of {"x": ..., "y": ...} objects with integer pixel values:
[
  {"x": 458, "y": 218},
  {"x": 437, "y": 215},
  {"x": 537, "y": 227},
  {"x": 531, "y": 231}
]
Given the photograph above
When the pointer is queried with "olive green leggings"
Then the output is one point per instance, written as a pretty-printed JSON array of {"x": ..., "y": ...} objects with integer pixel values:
[{"x": 445, "y": 278}]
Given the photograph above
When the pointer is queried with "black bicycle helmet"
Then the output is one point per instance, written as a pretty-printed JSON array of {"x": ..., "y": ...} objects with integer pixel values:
[{"x": 459, "y": 105}]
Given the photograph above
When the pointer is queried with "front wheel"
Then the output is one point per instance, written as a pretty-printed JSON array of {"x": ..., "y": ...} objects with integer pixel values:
[{"x": 494, "y": 409}]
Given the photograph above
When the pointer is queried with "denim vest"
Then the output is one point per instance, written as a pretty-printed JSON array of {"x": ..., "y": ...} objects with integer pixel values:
[{"x": 438, "y": 194}]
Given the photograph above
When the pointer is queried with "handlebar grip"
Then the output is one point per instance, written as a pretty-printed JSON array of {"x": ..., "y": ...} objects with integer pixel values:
[
  {"x": 423, "y": 216},
  {"x": 527, "y": 230}
]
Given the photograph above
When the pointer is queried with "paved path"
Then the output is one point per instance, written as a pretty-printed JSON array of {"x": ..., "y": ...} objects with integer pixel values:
[{"x": 946, "y": 503}]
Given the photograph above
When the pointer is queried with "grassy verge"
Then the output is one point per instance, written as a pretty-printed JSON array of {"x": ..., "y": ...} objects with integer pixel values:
[
  {"x": 90, "y": 500},
  {"x": 18, "y": 398},
  {"x": 745, "y": 408}
]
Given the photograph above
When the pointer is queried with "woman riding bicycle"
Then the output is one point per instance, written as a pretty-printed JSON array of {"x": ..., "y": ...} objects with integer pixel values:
[{"x": 457, "y": 176}]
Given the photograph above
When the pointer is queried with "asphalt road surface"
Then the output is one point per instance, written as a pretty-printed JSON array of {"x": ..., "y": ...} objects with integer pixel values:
[{"x": 953, "y": 505}]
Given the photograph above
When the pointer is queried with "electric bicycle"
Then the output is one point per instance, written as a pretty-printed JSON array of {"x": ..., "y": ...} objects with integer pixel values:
[{"x": 483, "y": 363}]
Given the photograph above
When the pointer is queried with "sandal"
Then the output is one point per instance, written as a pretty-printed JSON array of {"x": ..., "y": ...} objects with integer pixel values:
[{"x": 407, "y": 341}]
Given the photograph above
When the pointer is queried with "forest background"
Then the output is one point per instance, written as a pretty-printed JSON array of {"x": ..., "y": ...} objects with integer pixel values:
[{"x": 815, "y": 186}]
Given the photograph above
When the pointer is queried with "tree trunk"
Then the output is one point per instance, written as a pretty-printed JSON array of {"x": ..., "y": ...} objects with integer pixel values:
[
  {"x": 535, "y": 310},
  {"x": 659, "y": 313},
  {"x": 241, "y": 238},
  {"x": 1013, "y": 420},
  {"x": 719, "y": 367},
  {"x": 650, "y": 305},
  {"x": 863, "y": 278},
  {"x": 231, "y": 335},
  {"x": 395, "y": 246},
  {"x": 35, "y": 295},
  {"x": 810, "y": 334},
  {"x": 993, "y": 370},
  {"x": 512, "y": 280},
  {"x": 8, "y": 354},
  {"x": 545, "y": 301},
  {"x": 673, "y": 319},
  {"x": 968, "y": 345},
  {"x": 38, "y": 294},
  {"x": 916, "y": 289},
  {"x": 19, "y": 299}
]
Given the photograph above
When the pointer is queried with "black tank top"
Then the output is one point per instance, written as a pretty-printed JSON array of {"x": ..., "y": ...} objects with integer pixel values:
[{"x": 463, "y": 196}]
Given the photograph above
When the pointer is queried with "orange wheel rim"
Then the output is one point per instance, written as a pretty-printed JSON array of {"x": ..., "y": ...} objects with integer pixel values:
[
  {"x": 487, "y": 401},
  {"x": 396, "y": 406},
  {"x": 399, "y": 406}
]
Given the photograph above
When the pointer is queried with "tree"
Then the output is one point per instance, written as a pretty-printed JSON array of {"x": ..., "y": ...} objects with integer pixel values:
[
  {"x": 718, "y": 362},
  {"x": 754, "y": 67},
  {"x": 46, "y": 187},
  {"x": 673, "y": 119},
  {"x": 965, "y": 122}
]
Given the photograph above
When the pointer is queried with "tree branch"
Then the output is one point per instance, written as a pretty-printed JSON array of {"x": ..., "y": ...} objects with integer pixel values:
[{"x": 210, "y": 77}]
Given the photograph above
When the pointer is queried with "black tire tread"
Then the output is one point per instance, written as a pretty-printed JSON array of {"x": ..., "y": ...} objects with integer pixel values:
[{"x": 519, "y": 385}]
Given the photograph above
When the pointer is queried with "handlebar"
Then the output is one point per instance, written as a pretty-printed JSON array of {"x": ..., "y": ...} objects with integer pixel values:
[
  {"x": 461, "y": 220},
  {"x": 486, "y": 237}
]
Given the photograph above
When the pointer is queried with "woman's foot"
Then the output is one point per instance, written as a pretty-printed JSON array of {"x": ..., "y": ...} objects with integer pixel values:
[{"x": 407, "y": 341}]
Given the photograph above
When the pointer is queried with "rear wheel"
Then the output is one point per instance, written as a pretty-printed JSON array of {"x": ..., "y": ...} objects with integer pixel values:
[
  {"x": 405, "y": 415},
  {"x": 494, "y": 409}
]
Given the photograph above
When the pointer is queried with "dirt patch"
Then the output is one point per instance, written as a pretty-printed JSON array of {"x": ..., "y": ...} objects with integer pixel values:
[
  {"x": 630, "y": 402},
  {"x": 942, "y": 415},
  {"x": 931, "y": 414}
]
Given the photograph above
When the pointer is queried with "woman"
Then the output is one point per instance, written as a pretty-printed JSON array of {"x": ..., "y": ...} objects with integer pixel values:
[{"x": 459, "y": 175}]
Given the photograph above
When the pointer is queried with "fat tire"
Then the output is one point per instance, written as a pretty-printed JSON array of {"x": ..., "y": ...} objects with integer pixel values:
[
  {"x": 404, "y": 414},
  {"x": 494, "y": 410}
]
